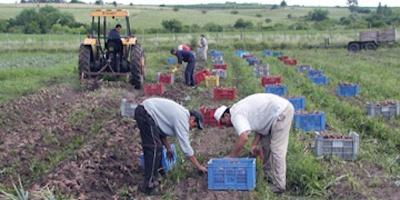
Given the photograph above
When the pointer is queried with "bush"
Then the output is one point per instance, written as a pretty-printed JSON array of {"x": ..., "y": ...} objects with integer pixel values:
[{"x": 234, "y": 12}]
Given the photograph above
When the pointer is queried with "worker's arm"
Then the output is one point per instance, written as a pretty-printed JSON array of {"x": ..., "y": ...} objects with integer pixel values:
[
  {"x": 241, "y": 141},
  {"x": 196, "y": 163},
  {"x": 170, "y": 153},
  {"x": 255, "y": 142}
]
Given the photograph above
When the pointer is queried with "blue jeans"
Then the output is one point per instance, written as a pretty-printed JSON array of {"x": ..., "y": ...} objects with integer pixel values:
[{"x": 189, "y": 74}]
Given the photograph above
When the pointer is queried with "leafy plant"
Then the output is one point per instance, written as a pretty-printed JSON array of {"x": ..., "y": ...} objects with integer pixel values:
[{"x": 20, "y": 193}]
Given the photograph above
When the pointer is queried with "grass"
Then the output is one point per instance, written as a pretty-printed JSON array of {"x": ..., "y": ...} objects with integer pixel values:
[
  {"x": 151, "y": 16},
  {"x": 33, "y": 62}
]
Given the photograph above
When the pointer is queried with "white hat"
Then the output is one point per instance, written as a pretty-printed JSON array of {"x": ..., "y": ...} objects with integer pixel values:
[{"x": 219, "y": 112}]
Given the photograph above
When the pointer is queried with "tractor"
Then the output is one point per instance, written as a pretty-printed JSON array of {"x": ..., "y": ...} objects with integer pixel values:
[{"x": 101, "y": 55}]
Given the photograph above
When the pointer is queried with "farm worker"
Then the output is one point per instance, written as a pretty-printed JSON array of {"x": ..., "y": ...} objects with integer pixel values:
[
  {"x": 186, "y": 56},
  {"x": 184, "y": 47},
  {"x": 269, "y": 116},
  {"x": 158, "y": 118},
  {"x": 203, "y": 47},
  {"x": 114, "y": 33}
]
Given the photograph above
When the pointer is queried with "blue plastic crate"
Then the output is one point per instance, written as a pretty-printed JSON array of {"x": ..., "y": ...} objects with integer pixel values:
[
  {"x": 231, "y": 174},
  {"x": 299, "y": 103},
  {"x": 319, "y": 80},
  {"x": 314, "y": 72},
  {"x": 171, "y": 60},
  {"x": 347, "y": 90},
  {"x": 267, "y": 52},
  {"x": 276, "y": 89},
  {"x": 241, "y": 53},
  {"x": 165, "y": 163},
  {"x": 309, "y": 121}
]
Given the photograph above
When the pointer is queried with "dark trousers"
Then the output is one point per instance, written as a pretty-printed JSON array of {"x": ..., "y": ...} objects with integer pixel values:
[
  {"x": 152, "y": 145},
  {"x": 189, "y": 73}
]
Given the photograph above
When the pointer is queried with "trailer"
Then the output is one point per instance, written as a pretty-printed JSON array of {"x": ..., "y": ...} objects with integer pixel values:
[{"x": 370, "y": 40}]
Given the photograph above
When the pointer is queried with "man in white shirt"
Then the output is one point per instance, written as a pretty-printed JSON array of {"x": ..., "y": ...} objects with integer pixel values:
[{"x": 269, "y": 116}]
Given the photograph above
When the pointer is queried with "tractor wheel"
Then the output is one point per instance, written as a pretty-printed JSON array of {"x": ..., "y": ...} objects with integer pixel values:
[
  {"x": 84, "y": 60},
  {"x": 371, "y": 46},
  {"x": 354, "y": 47},
  {"x": 136, "y": 66},
  {"x": 143, "y": 61}
]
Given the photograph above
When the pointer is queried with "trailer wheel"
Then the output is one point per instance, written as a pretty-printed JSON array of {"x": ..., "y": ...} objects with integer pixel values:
[
  {"x": 371, "y": 46},
  {"x": 353, "y": 47}
]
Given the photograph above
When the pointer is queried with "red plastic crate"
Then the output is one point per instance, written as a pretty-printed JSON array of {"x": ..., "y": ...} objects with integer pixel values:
[
  {"x": 290, "y": 62},
  {"x": 153, "y": 89},
  {"x": 199, "y": 77},
  {"x": 208, "y": 116},
  {"x": 206, "y": 71},
  {"x": 283, "y": 58},
  {"x": 247, "y": 56},
  {"x": 166, "y": 78},
  {"x": 224, "y": 93},
  {"x": 270, "y": 80},
  {"x": 222, "y": 66}
]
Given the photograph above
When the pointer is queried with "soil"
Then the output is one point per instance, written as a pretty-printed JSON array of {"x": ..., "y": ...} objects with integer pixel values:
[{"x": 76, "y": 141}]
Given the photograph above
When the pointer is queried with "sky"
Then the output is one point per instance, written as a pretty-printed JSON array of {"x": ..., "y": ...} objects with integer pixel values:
[{"x": 342, "y": 3}]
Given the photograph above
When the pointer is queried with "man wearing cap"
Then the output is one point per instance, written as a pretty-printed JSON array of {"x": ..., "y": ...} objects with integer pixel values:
[
  {"x": 186, "y": 56},
  {"x": 158, "y": 118},
  {"x": 269, "y": 116}
]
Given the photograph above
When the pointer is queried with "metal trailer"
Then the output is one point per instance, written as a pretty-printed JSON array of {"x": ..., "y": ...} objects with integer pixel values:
[{"x": 370, "y": 40}]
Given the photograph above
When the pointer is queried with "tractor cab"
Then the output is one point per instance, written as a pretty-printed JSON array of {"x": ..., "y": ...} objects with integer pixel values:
[{"x": 118, "y": 54}]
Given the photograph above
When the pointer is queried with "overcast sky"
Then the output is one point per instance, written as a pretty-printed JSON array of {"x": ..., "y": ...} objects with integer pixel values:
[{"x": 367, "y": 3}]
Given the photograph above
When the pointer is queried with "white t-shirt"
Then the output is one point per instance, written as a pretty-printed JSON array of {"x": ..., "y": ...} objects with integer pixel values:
[{"x": 257, "y": 112}]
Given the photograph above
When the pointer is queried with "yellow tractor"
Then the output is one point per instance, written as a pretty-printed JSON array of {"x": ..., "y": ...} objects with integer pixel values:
[{"x": 101, "y": 55}]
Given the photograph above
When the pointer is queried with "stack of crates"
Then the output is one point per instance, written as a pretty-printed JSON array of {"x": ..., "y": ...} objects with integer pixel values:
[
  {"x": 166, "y": 163},
  {"x": 345, "y": 148},
  {"x": 317, "y": 77},
  {"x": 219, "y": 65},
  {"x": 231, "y": 174},
  {"x": 217, "y": 57}
]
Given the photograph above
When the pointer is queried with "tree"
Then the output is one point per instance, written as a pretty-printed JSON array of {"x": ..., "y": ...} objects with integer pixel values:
[
  {"x": 172, "y": 25},
  {"x": 283, "y": 4},
  {"x": 318, "y": 15},
  {"x": 353, "y": 4},
  {"x": 115, "y": 4},
  {"x": 240, "y": 23}
]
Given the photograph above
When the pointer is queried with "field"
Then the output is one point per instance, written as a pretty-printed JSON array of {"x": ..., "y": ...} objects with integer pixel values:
[{"x": 66, "y": 139}]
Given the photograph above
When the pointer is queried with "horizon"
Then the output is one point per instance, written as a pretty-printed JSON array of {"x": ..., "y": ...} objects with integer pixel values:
[{"x": 311, "y": 3}]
